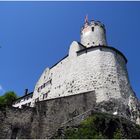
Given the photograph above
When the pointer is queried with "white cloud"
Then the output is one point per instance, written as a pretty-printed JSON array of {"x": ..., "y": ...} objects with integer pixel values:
[
  {"x": 1, "y": 90},
  {"x": 1, "y": 87}
]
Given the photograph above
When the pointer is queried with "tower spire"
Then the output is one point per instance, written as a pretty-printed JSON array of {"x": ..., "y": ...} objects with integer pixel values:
[{"x": 86, "y": 19}]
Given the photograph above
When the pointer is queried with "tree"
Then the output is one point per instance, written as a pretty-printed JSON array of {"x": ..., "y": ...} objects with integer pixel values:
[
  {"x": 8, "y": 98},
  {"x": 2, "y": 101}
]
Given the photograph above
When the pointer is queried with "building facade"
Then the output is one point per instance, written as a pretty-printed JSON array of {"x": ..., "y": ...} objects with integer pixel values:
[
  {"x": 24, "y": 100},
  {"x": 90, "y": 66}
]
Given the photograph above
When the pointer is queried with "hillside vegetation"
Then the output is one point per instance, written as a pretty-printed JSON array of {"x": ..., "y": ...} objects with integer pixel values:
[{"x": 102, "y": 126}]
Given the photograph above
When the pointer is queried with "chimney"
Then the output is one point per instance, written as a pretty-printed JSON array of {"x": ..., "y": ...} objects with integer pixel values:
[{"x": 26, "y": 91}]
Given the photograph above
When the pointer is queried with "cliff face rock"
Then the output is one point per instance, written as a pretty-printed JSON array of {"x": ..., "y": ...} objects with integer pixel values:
[
  {"x": 100, "y": 125},
  {"x": 129, "y": 110}
]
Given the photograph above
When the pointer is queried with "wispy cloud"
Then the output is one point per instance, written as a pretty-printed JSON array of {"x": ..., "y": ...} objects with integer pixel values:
[{"x": 1, "y": 90}]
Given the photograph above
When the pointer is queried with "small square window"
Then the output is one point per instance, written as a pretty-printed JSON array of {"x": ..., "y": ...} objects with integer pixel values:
[{"x": 45, "y": 95}]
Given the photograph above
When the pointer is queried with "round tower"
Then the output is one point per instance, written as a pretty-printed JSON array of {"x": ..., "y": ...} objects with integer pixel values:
[{"x": 93, "y": 33}]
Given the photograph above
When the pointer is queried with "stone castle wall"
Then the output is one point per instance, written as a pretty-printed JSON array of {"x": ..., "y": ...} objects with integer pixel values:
[
  {"x": 15, "y": 123},
  {"x": 52, "y": 113},
  {"x": 87, "y": 78},
  {"x": 44, "y": 120},
  {"x": 99, "y": 69}
]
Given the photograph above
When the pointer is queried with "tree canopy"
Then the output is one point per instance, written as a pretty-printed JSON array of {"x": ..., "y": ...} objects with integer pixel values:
[{"x": 8, "y": 98}]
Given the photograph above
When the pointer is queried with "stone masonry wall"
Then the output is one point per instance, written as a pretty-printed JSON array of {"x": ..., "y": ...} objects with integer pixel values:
[
  {"x": 43, "y": 120},
  {"x": 52, "y": 113},
  {"x": 99, "y": 69},
  {"x": 15, "y": 123}
]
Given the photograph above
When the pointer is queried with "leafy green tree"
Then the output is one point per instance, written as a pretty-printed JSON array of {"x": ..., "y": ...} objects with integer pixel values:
[
  {"x": 2, "y": 103},
  {"x": 8, "y": 98}
]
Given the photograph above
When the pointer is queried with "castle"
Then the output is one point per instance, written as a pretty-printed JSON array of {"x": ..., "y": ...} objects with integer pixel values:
[{"x": 90, "y": 66}]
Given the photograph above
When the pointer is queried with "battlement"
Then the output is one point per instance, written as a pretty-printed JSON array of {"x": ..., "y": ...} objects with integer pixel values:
[
  {"x": 93, "y": 33},
  {"x": 94, "y": 23}
]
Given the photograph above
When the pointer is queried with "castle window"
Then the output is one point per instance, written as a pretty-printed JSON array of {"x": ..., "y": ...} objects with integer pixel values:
[
  {"x": 45, "y": 95},
  {"x": 28, "y": 104},
  {"x": 39, "y": 89},
  {"x": 37, "y": 99},
  {"x": 92, "y": 29},
  {"x": 48, "y": 82}
]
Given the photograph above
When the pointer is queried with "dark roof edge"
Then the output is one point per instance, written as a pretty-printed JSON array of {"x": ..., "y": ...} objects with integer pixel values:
[
  {"x": 108, "y": 47},
  {"x": 66, "y": 56},
  {"x": 58, "y": 61},
  {"x": 23, "y": 96},
  {"x": 82, "y": 45}
]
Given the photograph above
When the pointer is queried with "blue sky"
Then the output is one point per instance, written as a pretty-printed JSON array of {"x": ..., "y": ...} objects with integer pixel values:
[{"x": 34, "y": 35}]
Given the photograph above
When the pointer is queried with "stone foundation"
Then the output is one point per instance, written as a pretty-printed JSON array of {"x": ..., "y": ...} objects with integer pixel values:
[{"x": 47, "y": 117}]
